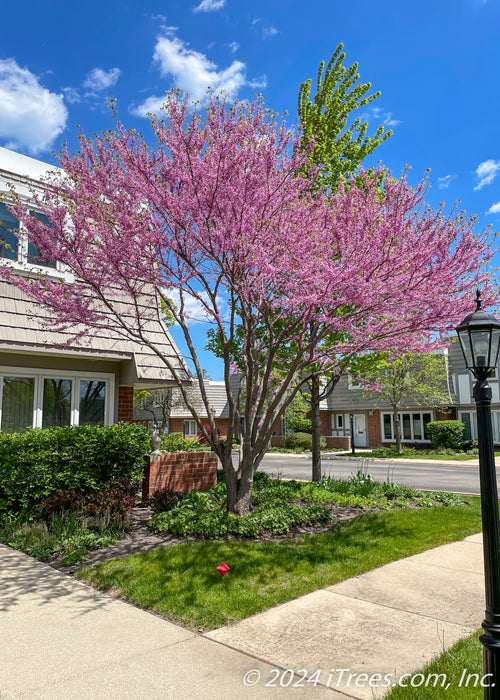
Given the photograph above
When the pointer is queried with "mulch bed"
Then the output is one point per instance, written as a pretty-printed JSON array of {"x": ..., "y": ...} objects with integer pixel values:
[{"x": 141, "y": 539}]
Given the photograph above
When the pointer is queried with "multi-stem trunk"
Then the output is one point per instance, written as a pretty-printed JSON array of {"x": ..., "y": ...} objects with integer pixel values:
[
  {"x": 316, "y": 428},
  {"x": 239, "y": 483}
]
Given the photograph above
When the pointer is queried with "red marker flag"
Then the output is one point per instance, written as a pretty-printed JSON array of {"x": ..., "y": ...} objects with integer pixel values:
[{"x": 223, "y": 569}]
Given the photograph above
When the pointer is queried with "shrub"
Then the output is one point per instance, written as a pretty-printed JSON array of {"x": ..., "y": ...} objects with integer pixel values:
[
  {"x": 115, "y": 500},
  {"x": 164, "y": 499},
  {"x": 202, "y": 439},
  {"x": 300, "y": 424},
  {"x": 276, "y": 518},
  {"x": 38, "y": 462},
  {"x": 301, "y": 441},
  {"x": 62, "y": 500},
  {"x": 448, "y": 434},
  {"x": 176, "y": 442}
]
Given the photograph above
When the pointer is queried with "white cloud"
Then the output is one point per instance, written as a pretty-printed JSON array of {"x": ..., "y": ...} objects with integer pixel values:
[
  {"x": 494, "y": 209},
  {"x": 72, "y": 95},
  {"x": 31, "y": 117},
  {"x": 389, "y": 121},
  {"x": 379, "y": 114},
  {"x": 486, "y": 172},
  {"x": 234, "y": 46},
  {"x": 192, "y": 71},
  {"x": 268, "y": 32},
  {"x": 194, "y": 311},
  {"x": 258, "y": 83},
  {"x": 444, "y": 182},
  {"x": 209, "y": 6},
  {"x": 99, "y": 79}
]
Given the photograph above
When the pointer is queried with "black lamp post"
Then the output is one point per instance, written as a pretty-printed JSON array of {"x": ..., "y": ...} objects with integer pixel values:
[{"x": 479, "y": 335}]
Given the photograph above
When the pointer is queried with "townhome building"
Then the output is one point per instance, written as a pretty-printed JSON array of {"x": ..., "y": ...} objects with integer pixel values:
[
  {"x": 373, "y": 421},
  {"x": 46, "y": 380},
  {"x": 349, "y": 413}
]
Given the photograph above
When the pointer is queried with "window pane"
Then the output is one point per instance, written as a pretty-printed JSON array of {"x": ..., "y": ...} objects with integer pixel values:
[
  {"x": 17, "y": 403},
  {"x": 387, "y": 426},
  {"x": 406, "y": 426},
  {"x": 8, "y": 239},
  {"x": 190, "y": 428},
  {"x": 426, "y": 418},
  {"x": 417, "y": 427},
  {"x": 56, "y": 402},
  {"x": 466, "y": 419},
  {"x": 33, "y": 252},
  {"x": 92, "y": 398}
]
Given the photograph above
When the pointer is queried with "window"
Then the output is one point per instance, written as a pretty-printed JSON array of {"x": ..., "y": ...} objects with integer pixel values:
[
  {"x": 190, "y": 428},
  {"x": 340, "y": 425},
  {"x": 15, "y": 246},
  {"x": 352, "y": 383},
  {"x": 413, "y": 427},
  {"x": 40, "y": 399},
  {"x": 9, "y": 226},
  {"x": 92, "y": 402},
  {"x": 56, "y": 402},
  {"x": 18, "y": 396}
]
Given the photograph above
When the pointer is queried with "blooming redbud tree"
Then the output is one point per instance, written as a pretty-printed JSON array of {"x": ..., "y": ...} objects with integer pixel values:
[{"x": 216, "y": 212}]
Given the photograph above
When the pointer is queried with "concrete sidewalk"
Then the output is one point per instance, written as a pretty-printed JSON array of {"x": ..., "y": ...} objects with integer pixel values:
[{"x": 60, "y": 640}]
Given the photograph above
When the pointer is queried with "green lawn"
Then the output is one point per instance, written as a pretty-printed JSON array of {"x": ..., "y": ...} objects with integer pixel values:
[
  {"x": 181, "y": 581},
  {"x": 462, "y": 669}
]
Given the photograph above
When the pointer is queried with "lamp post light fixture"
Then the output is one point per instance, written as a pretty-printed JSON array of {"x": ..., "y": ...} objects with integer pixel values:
[{"x": 479, "y": 335}]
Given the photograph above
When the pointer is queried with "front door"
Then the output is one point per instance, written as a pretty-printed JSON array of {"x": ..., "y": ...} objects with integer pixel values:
[{"x": 360, "y": 435}]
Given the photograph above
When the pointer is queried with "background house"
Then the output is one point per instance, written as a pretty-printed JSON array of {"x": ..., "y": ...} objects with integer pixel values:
[
  {"x": 44, "y": 382},
  {"x": 181, "y": 420},
  {"x": 373, "y": 421}
]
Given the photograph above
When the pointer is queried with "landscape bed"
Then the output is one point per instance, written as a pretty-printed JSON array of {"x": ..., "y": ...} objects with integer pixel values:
[{"x": 182, "y": 583}]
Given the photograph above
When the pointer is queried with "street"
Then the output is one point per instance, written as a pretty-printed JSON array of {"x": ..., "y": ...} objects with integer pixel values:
[{"x": 459, "y": 477}]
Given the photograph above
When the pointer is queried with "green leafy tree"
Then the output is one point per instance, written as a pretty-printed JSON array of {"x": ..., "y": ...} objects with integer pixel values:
[
  {"x": 414, "y": 379},
  {"x": 337, "y": 143}
]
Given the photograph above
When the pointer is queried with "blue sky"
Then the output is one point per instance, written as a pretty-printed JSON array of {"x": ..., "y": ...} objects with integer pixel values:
[{"x": 437, "y": 65}]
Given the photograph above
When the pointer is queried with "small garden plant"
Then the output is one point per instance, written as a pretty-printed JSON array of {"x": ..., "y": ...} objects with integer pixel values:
[
  {"x": 67, "y": 524},
  {"x": 64, "y": 491},
  {"x": 280, "y": 506}
]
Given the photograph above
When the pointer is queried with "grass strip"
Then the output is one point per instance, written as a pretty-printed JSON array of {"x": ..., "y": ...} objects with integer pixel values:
[
  {"x": 181, "y": 582},
  {"x": 456, "y": 674}
]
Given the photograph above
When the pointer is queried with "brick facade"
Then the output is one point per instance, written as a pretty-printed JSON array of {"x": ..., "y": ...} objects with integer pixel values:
[
  {"x": 125, "y": 404},
  {"x": 373, "y": 427},
  {"x": 179, "y": 471}
]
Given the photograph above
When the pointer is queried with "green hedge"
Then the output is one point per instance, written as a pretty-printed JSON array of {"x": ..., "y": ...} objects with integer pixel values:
[
  {"x": 86, "y": 458},
  {"x": 449, "y": 434},
  {"x": 302, "y": 441}
]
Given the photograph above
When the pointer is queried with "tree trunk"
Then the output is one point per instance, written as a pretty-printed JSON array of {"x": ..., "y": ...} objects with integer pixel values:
[
  {"x": 397, "y": 433},
  {"x": 316, "y": 429},
  {"x": 239, "y": 484}
]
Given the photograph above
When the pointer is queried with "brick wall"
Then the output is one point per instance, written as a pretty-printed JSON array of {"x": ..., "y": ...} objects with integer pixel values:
[
  {"x": 341, "y": 442},
  {"x": 374, "y": 435},
  {"x": 177, "y": 426},
  {"x": 125, "y": 404},
  {"x": 179, "y": 471}
]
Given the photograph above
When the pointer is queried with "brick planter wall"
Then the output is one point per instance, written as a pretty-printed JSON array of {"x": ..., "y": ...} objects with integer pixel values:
[
  {"x": 342, "y": 443},
  {"x": 179, "y": 471},
  {"x": 125, "y": 404}
]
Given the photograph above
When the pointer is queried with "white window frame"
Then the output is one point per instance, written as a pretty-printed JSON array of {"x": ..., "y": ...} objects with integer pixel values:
[
  {"x": 39, "y": 375},
  {"x": 353, "y": 384},
  {"x": 340, "y": 431},
  {"x": 189, "y": 426},
  {"x": 403, "y": 439},
  {"x": 61, "y": 271}
]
